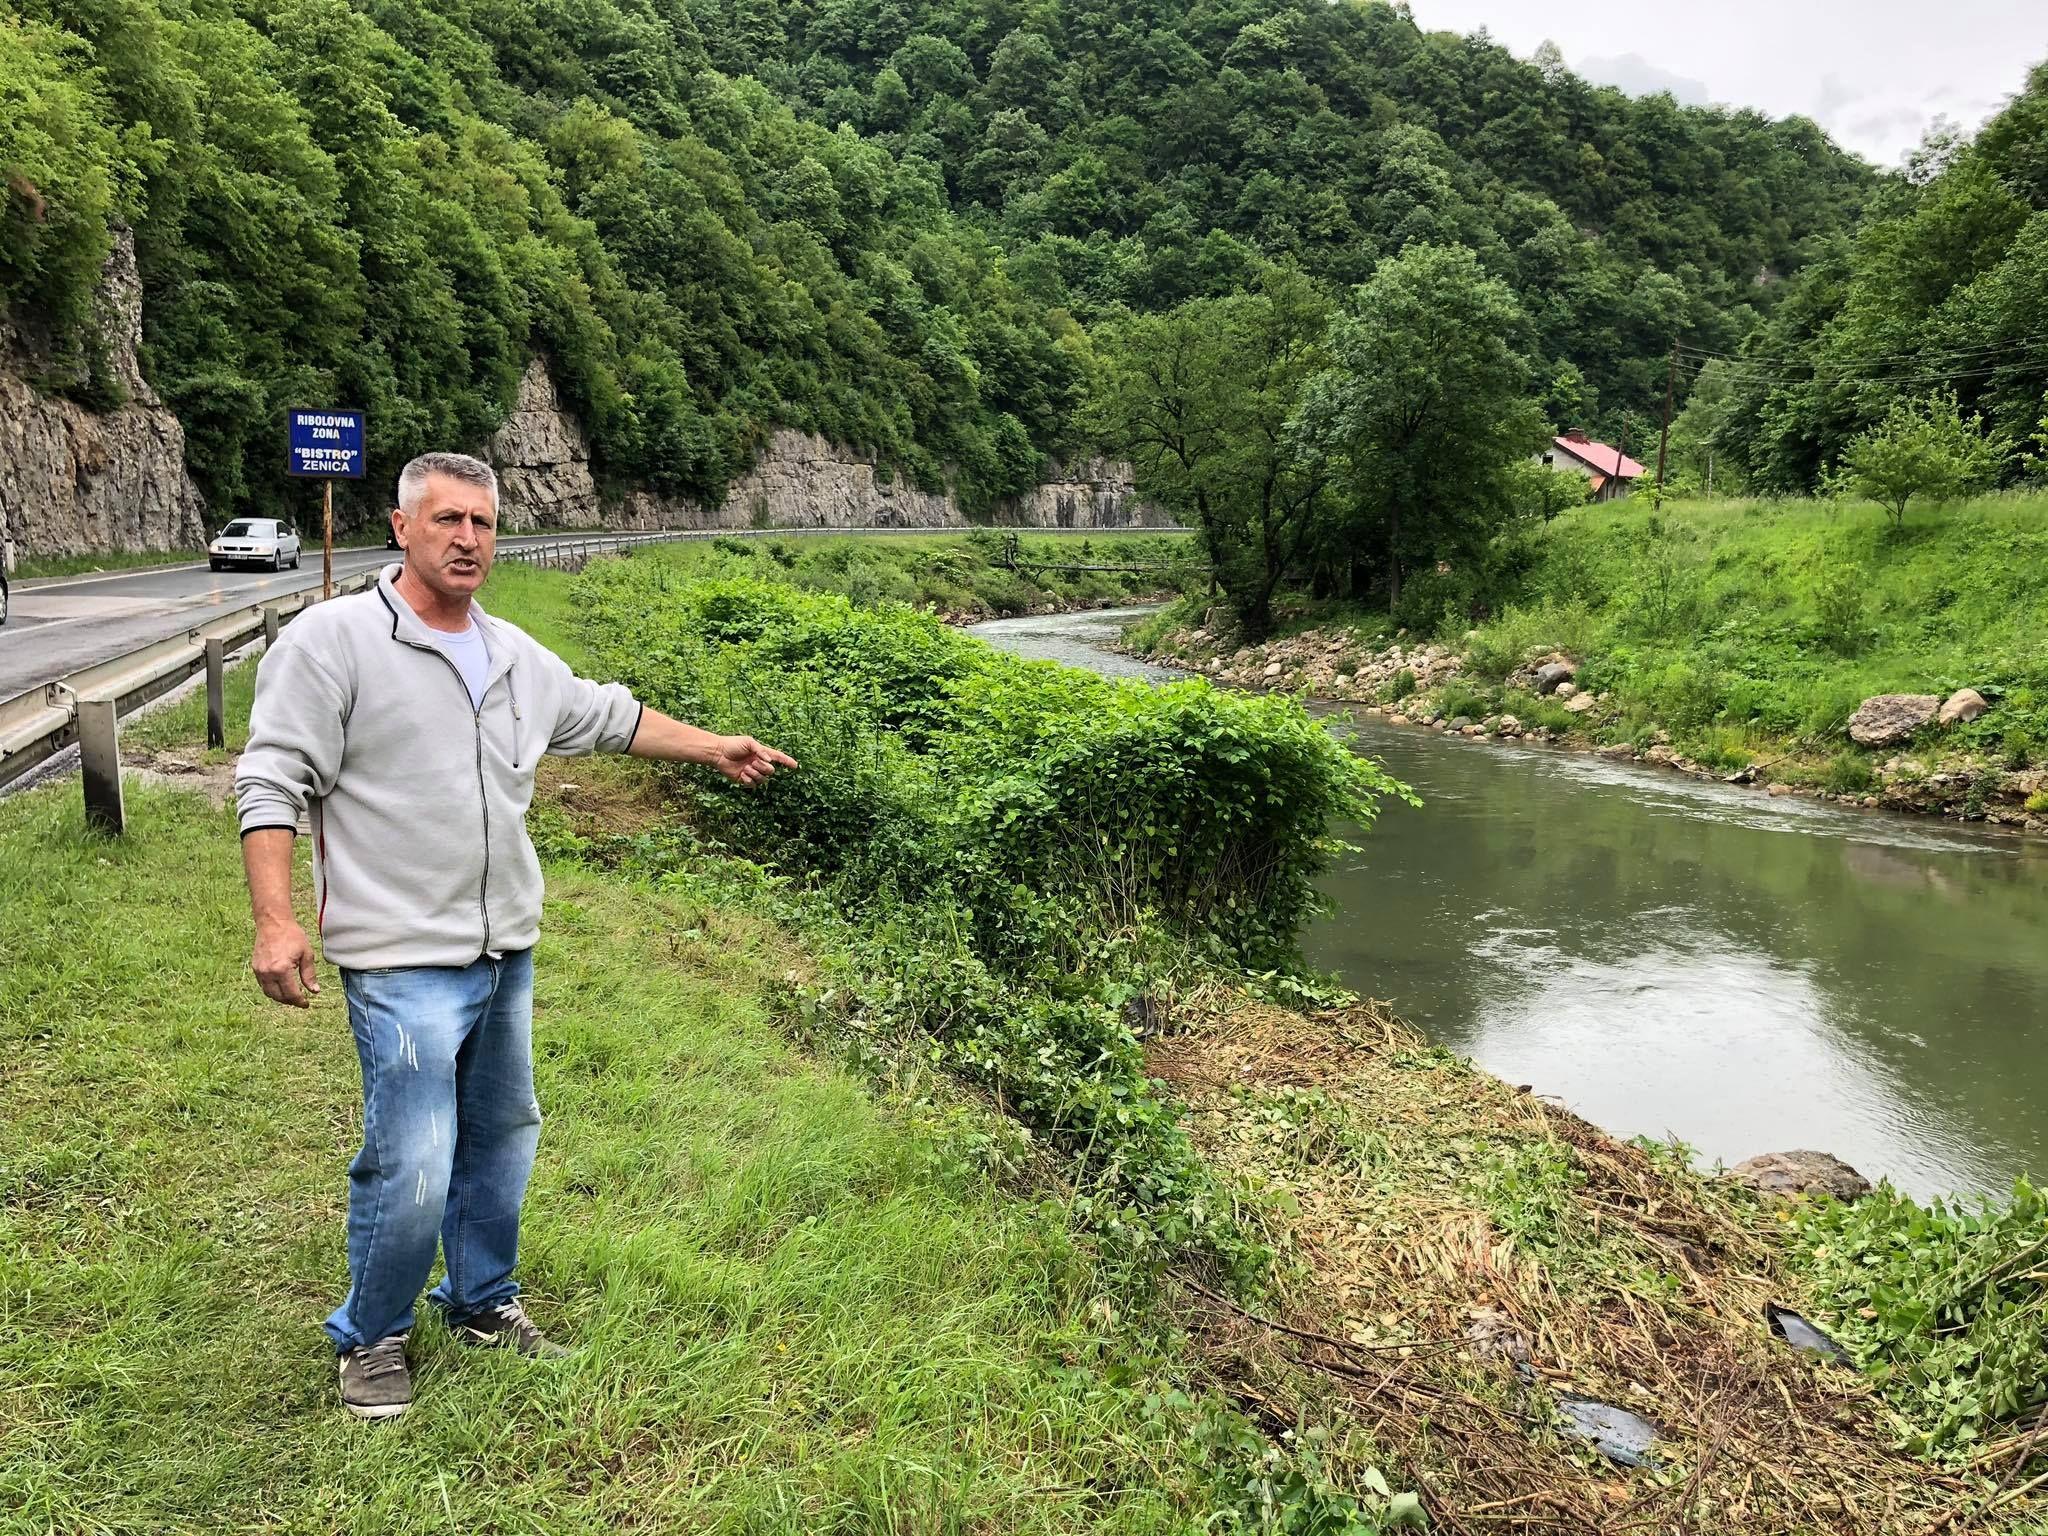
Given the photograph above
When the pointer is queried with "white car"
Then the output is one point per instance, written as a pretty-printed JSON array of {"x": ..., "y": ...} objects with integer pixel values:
[{"x": 254, "y": 541}]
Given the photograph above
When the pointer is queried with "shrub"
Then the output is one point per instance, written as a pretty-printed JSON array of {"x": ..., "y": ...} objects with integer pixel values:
[
  {"x": 1841, "y": 617},
  {"x": 1848, "y": 774},
  {"x": 1009, "y": 847},
  {"x": 1940, "y": 1304}
]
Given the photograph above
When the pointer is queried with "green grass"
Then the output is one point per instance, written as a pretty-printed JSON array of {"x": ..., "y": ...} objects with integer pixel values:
[
  {"x": 800, "y": 1309},
  {"x": 957, "y": 573},
  {"x": 29, "y": 567},
  {"x": 1778, "y": 618}
]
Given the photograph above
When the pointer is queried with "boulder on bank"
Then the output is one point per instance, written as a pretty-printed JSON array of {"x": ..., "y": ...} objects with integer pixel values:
[
  {"x": 1964, "y": 705},
  {"x": 1890, "y": 718},
  {"x": 1550, "y": 674},
  {"x": 1801, "y": 1173},
  {"x": 1579, "y": 703}
]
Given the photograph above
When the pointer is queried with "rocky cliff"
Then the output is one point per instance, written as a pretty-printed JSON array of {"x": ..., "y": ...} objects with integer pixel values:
[
  {"x": 75, "y": 481},
  {"x": 542, "y": 455}
]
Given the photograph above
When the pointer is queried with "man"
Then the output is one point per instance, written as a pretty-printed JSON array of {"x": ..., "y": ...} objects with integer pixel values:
[{"x": 409, "y": 723}]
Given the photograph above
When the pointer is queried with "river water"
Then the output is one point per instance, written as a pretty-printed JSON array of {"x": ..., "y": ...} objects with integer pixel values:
[{"x": 1672, "y": 958}]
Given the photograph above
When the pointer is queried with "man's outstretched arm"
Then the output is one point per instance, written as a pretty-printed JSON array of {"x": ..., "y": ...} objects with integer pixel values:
[{"x": 740, "y": 758}]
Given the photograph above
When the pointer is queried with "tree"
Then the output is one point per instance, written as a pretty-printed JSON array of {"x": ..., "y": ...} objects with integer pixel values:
[
  {"x": 1425, "y": 406},
  {"x": 1920, "y": 449},
  {"x": 1200, "y": 400}
]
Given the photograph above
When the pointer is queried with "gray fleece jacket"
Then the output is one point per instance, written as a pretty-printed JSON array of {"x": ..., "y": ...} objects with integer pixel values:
[{"x": 418, "y": 798}]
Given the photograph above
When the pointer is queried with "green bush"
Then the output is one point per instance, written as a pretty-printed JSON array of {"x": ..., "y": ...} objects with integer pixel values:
[
  {"x": 1941, "y": 1305},
  {"x": 1014, "y": 849},
  {"x": 1849, "y": 774}
]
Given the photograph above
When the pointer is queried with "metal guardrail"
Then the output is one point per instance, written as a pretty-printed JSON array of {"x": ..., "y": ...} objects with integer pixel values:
[
  {"x": 37, "y": 724},
  {"x": 85, "y": 707}
]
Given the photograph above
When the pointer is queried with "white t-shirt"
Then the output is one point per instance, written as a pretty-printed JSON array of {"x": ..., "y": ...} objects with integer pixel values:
[{"x": 472, "y": 658}]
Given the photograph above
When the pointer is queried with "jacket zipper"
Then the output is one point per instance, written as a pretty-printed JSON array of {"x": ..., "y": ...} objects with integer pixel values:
[{"x": 483, "y": 793}]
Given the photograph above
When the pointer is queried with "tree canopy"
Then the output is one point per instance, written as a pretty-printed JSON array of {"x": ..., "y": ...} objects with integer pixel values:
[{"x": 896, "y": 225}]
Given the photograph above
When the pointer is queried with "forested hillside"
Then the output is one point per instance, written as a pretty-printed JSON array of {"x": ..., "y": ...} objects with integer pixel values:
[
  {"x": 1944, "y": 287},
  {"x": 896, "y": 224}
]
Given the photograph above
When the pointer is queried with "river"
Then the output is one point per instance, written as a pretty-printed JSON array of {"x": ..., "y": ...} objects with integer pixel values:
[{"x": 1682, "y": 959}]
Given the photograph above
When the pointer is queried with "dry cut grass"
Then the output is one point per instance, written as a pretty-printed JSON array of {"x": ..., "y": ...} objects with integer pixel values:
[{"x": 1462, "y": 1256}]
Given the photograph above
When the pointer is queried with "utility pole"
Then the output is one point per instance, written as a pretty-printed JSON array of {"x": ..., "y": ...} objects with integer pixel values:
[{"x": 1664, "y": 442}]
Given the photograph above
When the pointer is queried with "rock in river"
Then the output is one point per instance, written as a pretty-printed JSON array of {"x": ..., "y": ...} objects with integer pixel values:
[
  {"x": 1964, "y": 704},
  {"x": 1801, "y": 1173},
  {"x": 1891, "y": 718}
]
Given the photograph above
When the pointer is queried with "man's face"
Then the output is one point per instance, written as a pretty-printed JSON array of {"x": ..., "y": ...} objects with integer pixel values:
[{"x": 450, "y": 536}]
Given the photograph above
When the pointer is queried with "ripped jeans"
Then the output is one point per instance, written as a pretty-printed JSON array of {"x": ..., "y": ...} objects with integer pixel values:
[{"x": 449, "y": 1130}]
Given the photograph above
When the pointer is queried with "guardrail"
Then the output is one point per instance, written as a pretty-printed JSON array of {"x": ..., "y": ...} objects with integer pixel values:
[{"x": 85, "y": 708}]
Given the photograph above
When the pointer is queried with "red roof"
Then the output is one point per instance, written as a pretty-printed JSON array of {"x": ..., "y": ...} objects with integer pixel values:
[{"x": 1607, "y": 460}]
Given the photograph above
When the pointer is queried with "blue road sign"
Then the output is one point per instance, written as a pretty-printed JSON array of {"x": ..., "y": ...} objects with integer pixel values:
[{"x": 326, "y": 445}]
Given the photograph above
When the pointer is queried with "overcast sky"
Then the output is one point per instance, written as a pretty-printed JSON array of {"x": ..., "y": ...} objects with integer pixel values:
[{"x": 1873, "y": 73}]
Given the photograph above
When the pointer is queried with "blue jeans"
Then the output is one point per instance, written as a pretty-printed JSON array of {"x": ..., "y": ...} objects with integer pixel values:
[{"x": 449, "y": 1130}]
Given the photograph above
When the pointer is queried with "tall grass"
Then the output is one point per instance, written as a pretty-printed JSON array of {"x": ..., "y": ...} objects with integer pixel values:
[{"x": 798, "y": 1309}]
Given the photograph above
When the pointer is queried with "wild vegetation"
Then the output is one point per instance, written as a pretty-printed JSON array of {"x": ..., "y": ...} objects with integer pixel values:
[
  {"x": 1204, "y": 1243},
  {"x": 1744, "y": 631}
]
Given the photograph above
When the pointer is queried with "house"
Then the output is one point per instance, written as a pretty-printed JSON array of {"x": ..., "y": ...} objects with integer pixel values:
[{"x": 1611, "y": 471}]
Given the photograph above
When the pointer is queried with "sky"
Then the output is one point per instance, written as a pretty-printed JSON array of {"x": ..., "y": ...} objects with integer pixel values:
[{"x": 1874, "y": 73}]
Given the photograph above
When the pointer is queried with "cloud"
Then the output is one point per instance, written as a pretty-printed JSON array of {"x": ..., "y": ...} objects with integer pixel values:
[{"x": 1635, "y": 74}]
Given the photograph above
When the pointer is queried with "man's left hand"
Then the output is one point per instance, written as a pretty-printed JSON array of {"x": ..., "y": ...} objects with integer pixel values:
[{"x": 746, "y": 761}]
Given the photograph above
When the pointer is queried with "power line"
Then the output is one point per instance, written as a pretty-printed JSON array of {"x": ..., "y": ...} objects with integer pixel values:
[
  {"x": 2009, "y": 344},
  {"x": 1748, "y": 376}
]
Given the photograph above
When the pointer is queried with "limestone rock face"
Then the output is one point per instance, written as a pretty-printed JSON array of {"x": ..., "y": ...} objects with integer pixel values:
[
  {"x": 1095, "y": 493},
  {"x": 542, "y": 457},
  {"x": 1891, "y": 718},
  {"x": 800, "y": 480},
  {"x": 1801, "y": 1173},
  {"x": 75, "y": 481}
]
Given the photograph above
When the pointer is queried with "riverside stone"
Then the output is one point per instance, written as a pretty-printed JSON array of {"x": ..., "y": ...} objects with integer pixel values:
[
  {"x": 1890, "y": 718},
  {"x": 1551, "y": 674},
  {"x": 1801, "y": 1173},
  {"x": 1964, "y": 704},
  {"x": 1579, "y": 703}
]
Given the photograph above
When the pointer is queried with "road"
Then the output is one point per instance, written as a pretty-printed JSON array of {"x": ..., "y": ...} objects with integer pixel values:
[{"x": 62, "y": 623}]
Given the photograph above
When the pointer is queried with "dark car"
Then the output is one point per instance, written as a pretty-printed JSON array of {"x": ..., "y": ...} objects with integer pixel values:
[{"x": 3, "y": 591}]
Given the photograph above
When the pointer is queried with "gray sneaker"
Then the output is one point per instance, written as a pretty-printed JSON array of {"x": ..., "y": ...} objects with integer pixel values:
[
  {"x": 506, "y": 1326},
  {"x": 375, "y": 1383}
]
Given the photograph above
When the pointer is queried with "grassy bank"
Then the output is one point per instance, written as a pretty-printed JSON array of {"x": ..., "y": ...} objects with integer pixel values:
[
  {"x": 801, "y": 1308},
  {"x": 963, "y": 576},
  {"x": 1111, "y": 1219},
  {"x": 1726, "y": 634}
]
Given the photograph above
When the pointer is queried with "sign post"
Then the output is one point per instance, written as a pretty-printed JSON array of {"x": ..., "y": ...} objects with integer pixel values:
[{"x": 325, "y": 445}]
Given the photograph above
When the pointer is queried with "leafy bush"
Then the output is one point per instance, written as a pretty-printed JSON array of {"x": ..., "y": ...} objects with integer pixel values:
[
  {"x": 1839, "y": 608},
  {"x": 1025, "y": 846},
  {"x": 1941, "y": 1304}
]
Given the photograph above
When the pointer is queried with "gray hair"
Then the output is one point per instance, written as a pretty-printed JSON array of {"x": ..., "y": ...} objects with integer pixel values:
[{"x": 412, "y": 480}]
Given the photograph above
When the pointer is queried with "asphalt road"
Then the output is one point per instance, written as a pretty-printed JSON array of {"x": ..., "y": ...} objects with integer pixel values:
[{"x": 61, "y": 623}]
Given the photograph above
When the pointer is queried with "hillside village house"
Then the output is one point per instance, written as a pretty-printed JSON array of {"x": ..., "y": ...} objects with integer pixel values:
[{"x": 1611, "y": 471}]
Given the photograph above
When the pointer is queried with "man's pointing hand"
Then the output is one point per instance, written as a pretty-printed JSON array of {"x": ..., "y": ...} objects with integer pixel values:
[{"x": 746, "y": 761}]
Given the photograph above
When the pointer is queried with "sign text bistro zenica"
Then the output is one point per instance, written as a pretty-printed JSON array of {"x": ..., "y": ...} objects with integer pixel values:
[{"x": 326, "y": 445}]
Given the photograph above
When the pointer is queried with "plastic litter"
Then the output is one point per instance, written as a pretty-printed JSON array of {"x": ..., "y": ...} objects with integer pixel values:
[
  {"x": 1617, "y": 1434},
  {"x": 1803, "y": 1336}
]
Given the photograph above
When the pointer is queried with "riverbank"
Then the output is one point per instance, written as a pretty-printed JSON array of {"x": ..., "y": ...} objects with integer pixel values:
[
  {"x": 1737, "y": 641},
  {"x": 1383, "y": 1258}
]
